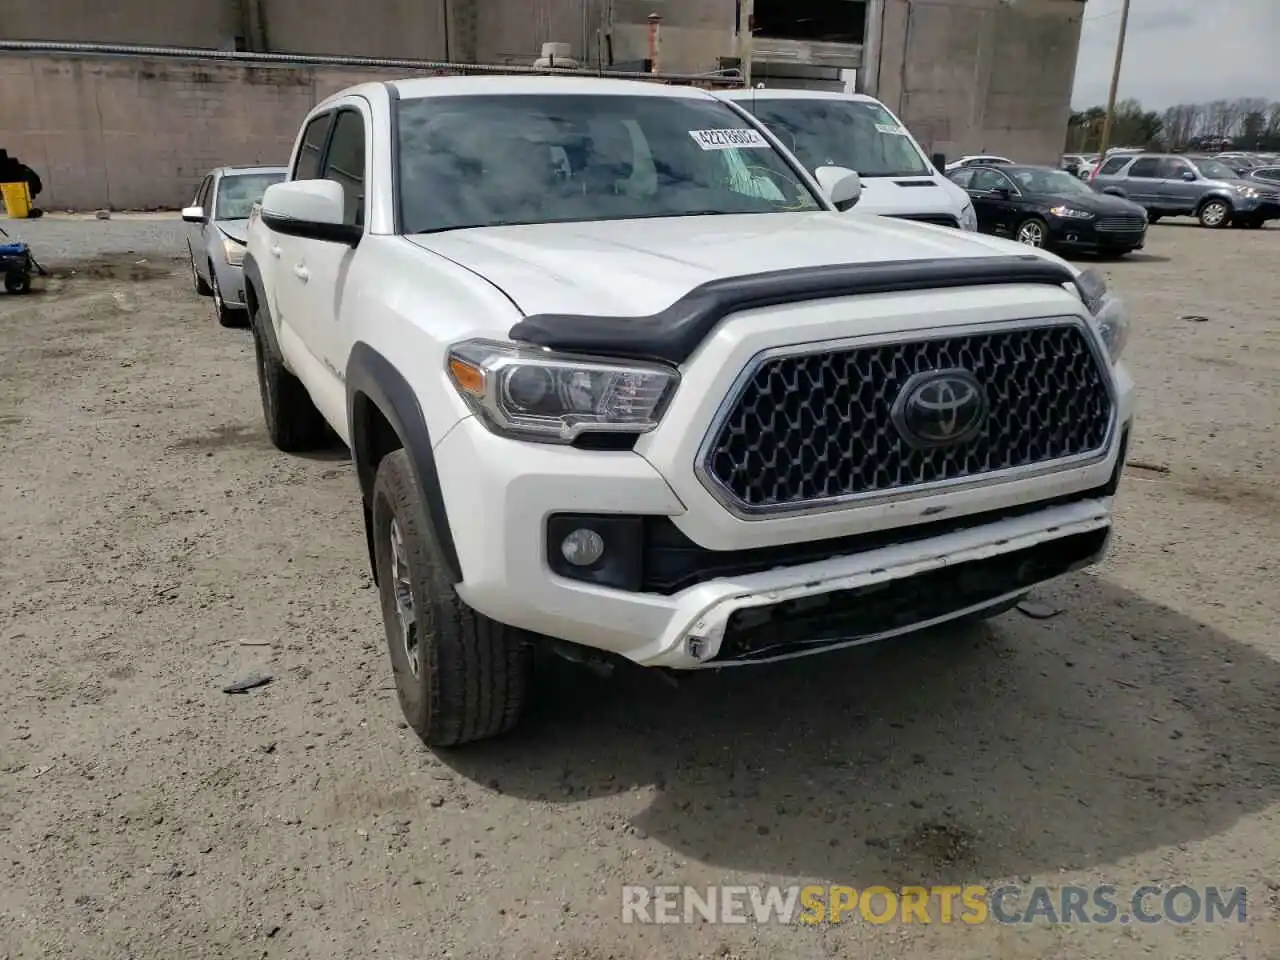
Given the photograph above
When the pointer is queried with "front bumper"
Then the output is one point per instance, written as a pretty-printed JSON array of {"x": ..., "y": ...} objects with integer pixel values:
[
  {"x": 502, "y": 508},
  {"x": 1087, "y": 235},
  {"x": 1264, "y": 211}
]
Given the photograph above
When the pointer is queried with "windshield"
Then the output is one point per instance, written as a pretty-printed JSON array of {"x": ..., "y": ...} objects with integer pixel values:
[
  {"x": 1048, "y": 181},
  {"x": 1216, "y": 170},
  {"x": 240, "y": 191},
  {"x": 478, "y": 161},
  {"x": 842, "y": 133}
]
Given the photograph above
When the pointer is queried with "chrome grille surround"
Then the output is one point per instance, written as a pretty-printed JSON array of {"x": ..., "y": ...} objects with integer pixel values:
[{"x": 1091, "y": 355}]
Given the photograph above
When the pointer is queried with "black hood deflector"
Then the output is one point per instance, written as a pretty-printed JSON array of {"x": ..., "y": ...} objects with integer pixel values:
[{"x": 672, "y": 335}]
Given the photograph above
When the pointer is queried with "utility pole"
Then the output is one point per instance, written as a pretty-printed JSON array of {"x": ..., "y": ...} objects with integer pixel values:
[
  {"x": 746, "y": 48},
  {"x": 1115, "y": 84}
]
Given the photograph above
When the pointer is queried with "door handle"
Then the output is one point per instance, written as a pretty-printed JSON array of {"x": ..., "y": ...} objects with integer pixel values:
[
  {"x": 275, "y": 250},
  {"x": 301, "y": 272}
]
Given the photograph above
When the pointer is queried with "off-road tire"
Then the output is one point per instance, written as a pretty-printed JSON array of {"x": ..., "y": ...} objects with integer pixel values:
[
  {"x": 1207, "y": 217},
  {"x": 17, "y": 282},
  {"x": 293, "y": 422},
  {"x": 474, "y": 673},
  {"x": 198, "y": 283}
]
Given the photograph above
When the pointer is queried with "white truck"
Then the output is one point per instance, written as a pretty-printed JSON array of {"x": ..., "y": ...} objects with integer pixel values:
[
  {"x": 618, "y": 376},
  {"x": 822, "y": 128}
]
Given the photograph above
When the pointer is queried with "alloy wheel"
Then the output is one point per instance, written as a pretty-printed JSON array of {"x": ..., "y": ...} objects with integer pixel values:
[
  {"x": 402, "y": 587},
  {"x": 1032, "y": 234}
]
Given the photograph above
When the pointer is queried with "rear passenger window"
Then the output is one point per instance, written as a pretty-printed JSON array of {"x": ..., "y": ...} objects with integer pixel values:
[
  {"x": 345, "y": 164},
  {"x": 1113, "y": 165},
  {"x": 307, "y": 166},
  {"x": 1268, "y": 173},
  {"x": 1146, "y": 167}
]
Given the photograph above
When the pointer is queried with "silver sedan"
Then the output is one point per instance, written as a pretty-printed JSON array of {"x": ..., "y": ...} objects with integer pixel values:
[{"x": 216, "y": 223}]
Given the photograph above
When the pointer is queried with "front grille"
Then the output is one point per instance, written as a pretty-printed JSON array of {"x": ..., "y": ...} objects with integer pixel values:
[
  {"x": 941, "y": 219},
  {"x": 1134, "y": 224},
  {"x": 811, "y": 623},
  {"x": 805, "y": 429}
]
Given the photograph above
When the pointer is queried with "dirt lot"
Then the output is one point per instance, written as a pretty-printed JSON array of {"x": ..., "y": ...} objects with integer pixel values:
[{"x": 155, "y": 548}]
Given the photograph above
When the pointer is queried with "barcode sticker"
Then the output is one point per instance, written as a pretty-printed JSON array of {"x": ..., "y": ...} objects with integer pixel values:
[{"x": 729, "y": 139}]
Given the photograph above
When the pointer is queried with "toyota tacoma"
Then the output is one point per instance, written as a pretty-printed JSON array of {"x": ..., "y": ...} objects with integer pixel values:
[{"x": 618, "y": 375}]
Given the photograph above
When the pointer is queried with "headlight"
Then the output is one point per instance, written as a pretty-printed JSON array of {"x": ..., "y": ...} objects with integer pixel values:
[
  {"x": 1109, "y": 312},
  {"x": 1071, "y": 213},
  {"x": 1249, "y": 192},
  {"x": 968, "y": 218},
  {"x": 534, "y": 394},
  {"x": 233, "y": 251}
]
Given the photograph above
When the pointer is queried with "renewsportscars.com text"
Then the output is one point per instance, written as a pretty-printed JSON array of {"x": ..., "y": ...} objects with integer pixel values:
[{"x": 972, "y": 904}]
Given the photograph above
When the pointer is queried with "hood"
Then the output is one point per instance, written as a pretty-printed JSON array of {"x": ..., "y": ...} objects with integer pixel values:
[
  {"x": 1102, "y": 204},
  {"x": 632, "y": 267},
  {"x": 898, "y": 196},
  {"x": 235, "y": 229},
  {"x": 1241, "y": 184}
]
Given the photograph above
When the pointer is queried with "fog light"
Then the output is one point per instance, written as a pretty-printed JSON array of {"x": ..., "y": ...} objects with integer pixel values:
[{"x": 582, "y": 547}]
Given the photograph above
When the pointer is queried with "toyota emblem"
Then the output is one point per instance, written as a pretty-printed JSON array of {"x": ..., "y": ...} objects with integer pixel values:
[{"x": 940, "y": 408}]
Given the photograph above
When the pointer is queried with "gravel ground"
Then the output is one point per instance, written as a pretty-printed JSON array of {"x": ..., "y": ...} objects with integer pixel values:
[
  {"x": 156, "y": 547},
  {"x": 59, "y": 240}
]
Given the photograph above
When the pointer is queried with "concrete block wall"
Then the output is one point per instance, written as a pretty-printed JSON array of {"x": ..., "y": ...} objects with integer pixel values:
[
  {"x": 971, "y": 76},
  {"x": 137, "y": 133}
]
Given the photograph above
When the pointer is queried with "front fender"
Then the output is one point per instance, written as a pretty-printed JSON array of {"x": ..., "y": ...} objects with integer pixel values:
[
  {"x": 372, "y": 379},
  {"x": 255, "y": 294}
]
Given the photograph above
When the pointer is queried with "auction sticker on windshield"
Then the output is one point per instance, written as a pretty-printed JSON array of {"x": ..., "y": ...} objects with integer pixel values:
[
  {"x": 891, "y": 128},
  {"x": 728, "y": 139}
]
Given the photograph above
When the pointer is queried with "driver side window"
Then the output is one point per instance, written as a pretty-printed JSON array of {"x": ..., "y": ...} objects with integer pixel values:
[
  {"x": 344, "y": 164},
  {"x": 985, "y": 179},
  {"x": 1172, "y": 169}
]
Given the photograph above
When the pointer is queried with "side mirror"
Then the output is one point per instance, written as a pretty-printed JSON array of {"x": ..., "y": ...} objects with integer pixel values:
[
  {"x": 193, "y": 214},
  {"x": 940, "y": 161},
  {"x": 1188, "y": 175},
  {"x": 1004, "y": 193},
  {"x": 311, "y": 209},
  {"x": 841, "y": 185}
]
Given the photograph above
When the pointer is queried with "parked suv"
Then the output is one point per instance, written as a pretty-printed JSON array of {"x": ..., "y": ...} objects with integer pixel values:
[{"x": 1169, "y": 185}]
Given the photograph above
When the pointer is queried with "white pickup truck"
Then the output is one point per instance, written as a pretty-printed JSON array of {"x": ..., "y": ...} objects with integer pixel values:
[{"x": 619, "y": 377}]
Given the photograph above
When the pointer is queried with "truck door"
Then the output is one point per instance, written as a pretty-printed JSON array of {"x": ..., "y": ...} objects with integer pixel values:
[{"x": 317, "y": 270}]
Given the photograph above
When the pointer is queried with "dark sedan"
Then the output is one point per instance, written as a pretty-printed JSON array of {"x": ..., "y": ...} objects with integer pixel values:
[{"x": 1044, "y": 207}]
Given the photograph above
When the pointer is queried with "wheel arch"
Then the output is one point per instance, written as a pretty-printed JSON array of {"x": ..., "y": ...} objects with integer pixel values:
[
  {"x": 253, "y": 298},
  {"x": 384, "y": 415},
  {"x": 1215, "y": 195}
]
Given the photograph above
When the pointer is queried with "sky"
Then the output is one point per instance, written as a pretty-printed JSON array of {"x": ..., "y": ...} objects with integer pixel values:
[{"x": 1180, "y": 51}]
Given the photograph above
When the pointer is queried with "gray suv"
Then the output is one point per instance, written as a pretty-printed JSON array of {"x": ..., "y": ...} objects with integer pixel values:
[{"x": 1169, "y": 185}]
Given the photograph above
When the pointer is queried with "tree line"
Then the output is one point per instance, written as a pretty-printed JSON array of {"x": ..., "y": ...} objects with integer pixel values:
[{"x": 1246, "y": 123}]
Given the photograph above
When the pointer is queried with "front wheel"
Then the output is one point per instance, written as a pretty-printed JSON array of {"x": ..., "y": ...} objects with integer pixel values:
[
  {"x": 1154, "y": 217},
  {"x": 17, "y": 281},
  {"x": 1034, "y": 232},
  {"x": 1214, "y": 214},
  {"x": 459, "y": 676},
  {"x": 227, "y": 316}
]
